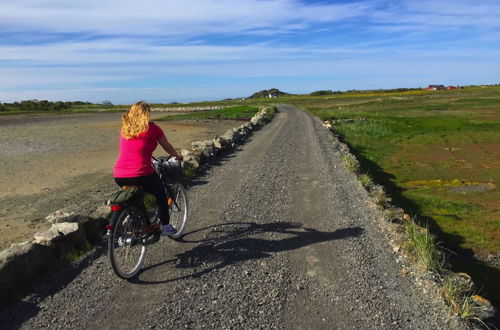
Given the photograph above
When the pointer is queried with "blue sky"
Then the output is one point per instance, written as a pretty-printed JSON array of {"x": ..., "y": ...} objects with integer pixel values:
[{"x": 194, "y": 50}]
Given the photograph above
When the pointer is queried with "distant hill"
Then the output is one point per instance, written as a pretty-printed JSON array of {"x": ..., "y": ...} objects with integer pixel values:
[{"x": 273, "y": 92}]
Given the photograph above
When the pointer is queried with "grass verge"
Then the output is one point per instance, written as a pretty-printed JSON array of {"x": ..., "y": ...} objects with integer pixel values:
[{"x": 233, "y": 113}]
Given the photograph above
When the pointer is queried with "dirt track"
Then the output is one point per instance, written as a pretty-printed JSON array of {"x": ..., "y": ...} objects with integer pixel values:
[
  {"x": 51, "y": 162},
  {"x": 280, "y": 237}
]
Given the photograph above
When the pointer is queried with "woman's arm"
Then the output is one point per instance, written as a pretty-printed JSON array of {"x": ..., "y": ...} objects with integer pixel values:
[{"x": 169, "y": 148}]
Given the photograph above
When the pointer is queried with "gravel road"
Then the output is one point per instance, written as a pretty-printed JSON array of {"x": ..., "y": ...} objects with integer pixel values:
[{"x": 280, "y": 236}]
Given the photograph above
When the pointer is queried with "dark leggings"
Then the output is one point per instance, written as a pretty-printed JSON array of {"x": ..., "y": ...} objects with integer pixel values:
[{"x": 152, "y": 184}]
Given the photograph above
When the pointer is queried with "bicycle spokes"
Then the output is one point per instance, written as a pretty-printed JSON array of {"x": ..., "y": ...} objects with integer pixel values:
[{"x": 124, "y": 249}]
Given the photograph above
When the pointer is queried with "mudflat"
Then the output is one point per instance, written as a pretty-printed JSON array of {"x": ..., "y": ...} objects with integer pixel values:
[{"x": 50, "y": 162}]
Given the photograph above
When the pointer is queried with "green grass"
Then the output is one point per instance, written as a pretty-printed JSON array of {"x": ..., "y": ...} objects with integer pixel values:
[
  {"x": 234, "y": 113},
  {"x": 366, "y": 181},
  {"x": 459, "y": 298},
  {"x": 351, "y": 163},
  {"x": 190, "y": 171},
  {"x": 418, "y": 145},
  {"x": 421, "y": 244},
  {"x": 75, "y": 253}
]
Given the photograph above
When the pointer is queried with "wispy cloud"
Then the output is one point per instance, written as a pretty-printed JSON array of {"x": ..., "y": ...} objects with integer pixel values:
[
  {"x": 68, "y": 49},
  {"x": 169, "y": 18}
]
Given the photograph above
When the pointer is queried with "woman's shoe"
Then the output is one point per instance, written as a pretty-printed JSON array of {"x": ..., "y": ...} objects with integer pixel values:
[{"x": 168, "y": 230}]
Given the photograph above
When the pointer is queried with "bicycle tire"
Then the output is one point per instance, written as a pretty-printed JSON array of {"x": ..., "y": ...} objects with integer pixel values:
[
  {"x": 125, "y": 253},
  {"x": 178, "y": 210}
]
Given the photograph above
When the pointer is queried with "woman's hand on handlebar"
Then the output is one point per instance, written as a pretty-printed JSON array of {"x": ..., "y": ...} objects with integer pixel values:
[{"x": 179, "y": 157}]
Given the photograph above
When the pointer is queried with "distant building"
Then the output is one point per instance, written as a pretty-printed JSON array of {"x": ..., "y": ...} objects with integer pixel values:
[
  {"x": 435, "y": 87},
  {"x": 452, "y": 87}
]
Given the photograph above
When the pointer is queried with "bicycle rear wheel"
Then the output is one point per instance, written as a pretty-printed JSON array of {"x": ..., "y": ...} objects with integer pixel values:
[
  {"x": 178, "y": 209},
  {"x": 125, "y": 252}
]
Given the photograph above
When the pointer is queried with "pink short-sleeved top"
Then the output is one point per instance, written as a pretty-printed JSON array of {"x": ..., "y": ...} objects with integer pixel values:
[{"x": 135, "y": 154}]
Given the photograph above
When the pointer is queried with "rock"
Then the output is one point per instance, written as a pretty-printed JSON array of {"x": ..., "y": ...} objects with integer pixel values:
[
  {"x": 186, "y": 153},
  {"x": 257, "y": 120},
  {"x": 56, "y": 232},
  {"x": 394, "y": 214},
  {"x": 20, "y": 265},
  {"x": 94, "y": 224},
  {"x": 399, "y": 213},
  {"x": 236, "y": 135},
  {"x": 484, "y": 308},
  {"x": 102, "y": 212},
  {"x": 191, "y": 163},
  {"x": 206, "y": 148},
  {"x": 465, "y": 281},
  {"x": 406, "y": 217},
  {"x": 192, "y": 155},
  {"x": 220, "y": 143},
  {"x": 63, "y": 216},
  {"x": 242, "y": 132},
  {"x": 192, "y": 159},
  {"x": 229, "y": 136},
  {"x": 63, "y": 238}
]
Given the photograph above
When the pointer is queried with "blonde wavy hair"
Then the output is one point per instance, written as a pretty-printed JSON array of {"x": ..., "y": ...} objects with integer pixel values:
[{"x": 136, "y": 120}]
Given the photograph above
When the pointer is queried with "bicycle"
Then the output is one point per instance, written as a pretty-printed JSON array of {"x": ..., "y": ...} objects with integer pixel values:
[{"x": 132, "y": 227}]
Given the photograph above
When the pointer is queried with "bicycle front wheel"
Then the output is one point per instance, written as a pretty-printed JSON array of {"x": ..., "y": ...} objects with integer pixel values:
[
  {"x": 125, "y": 252},
  {"x": 178, "y": 206}
]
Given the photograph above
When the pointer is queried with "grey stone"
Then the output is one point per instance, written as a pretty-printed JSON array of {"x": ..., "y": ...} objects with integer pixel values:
[
  {"x": 229, "y": 136},
  {"x": 94, "y": 224},
  {"x": 465, "y": 281},
  {"x": 102, "y": 212},
  {"x": 20, "y": 265},
  {"x": 236, "y": 135},
  {"x": 221, "y": 143},
  {"x": 56, "y": 232},
  {"x": 191, "y": 162},
  {"x": 63, "y": 216},
  {"x": 206, "y": 148},
  {"x": 484, "y": 308},
  {"x": 185, "y": 152}
]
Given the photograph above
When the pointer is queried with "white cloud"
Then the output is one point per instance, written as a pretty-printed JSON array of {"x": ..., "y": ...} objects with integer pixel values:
[
  {"x": 169, "y": 18},
  {"x": 121, "y": 43},
  {"x": 419, "y": 15}
]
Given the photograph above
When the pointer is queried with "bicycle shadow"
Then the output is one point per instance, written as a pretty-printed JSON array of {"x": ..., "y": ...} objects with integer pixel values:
[{"x": 230, "y": 244}]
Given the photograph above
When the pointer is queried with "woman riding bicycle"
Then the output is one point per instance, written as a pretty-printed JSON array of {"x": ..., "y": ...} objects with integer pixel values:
[{"x": 138, "y": 139}]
